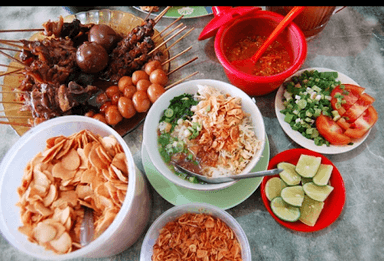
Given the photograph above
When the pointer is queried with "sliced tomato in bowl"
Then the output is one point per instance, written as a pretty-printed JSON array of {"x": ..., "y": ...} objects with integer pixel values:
[
  {"x": 356, "y": 111},
  {"x": 362, "y": 124},
  {"x": 358, "y": 108},
  {"x": 350, "y": 93},
  {"x": 331, "y": 131},
  {"x": 343, "y": 123}
]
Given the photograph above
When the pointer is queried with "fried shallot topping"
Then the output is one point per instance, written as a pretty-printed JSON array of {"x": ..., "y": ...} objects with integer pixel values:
[
  {"x": 227, "y": 141},
  {"x": 196, "y": 237}
]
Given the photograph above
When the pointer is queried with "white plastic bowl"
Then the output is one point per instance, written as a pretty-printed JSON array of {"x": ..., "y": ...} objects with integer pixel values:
[
  {"x": 175, "y": 212},
  {"x": 156, "y": 111},
  {"x": 129, "y": 223}
]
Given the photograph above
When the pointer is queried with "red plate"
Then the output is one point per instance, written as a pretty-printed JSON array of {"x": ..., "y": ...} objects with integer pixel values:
[{"x": 333, "y": 205}]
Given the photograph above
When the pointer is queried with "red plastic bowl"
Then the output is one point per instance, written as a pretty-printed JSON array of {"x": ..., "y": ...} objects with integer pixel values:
[
  {"x": 260, "y": 23},
  {"x": 333, "y": 205}
]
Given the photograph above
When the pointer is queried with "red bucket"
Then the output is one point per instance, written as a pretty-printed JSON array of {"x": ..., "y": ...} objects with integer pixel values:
[{"x": 260, "y": 23}]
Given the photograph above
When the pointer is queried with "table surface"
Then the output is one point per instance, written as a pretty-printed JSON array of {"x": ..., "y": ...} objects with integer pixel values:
[{"x": 351, "y": 43}]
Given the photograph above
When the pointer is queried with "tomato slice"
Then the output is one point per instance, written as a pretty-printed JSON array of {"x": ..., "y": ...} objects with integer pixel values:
[
  {"x": 332, "y": 132},
  {"x": 351, "y": 94},
  {"x": 358, "y": 107},
  {"x": 343, "y": 123},
  {"x": 362, "y": 124}
]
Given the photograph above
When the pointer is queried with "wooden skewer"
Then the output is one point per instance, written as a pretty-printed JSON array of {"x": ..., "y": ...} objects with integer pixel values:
[
  {"x": 166, "y": 28},
  {"x": 15, "y": 71},
  {"x": 181, "y": 66},
  {"x": 11, "y": 57},
  {"x": 177, "y": 27},
  {"x": 12, "y": 102},
  {"x": 157, "y": 18},
  {"x": 8, "y": 86},
  {"x": 14, "y": 92},
  {"x": 9, "y": 66},
  {"x": 10, "y": 49},
  {"x": 178, "y": 40},
  {"x": 16, "y": 117},
  {"x": 16, "y": 123},
  {"x": 22, "y": 30},
  {"x": 165, "y": 41},
  {"x": 181, "y": 80},
  {"x": 177, "y": 55},
  {"x": 149, "y": 13},
  {"x": 8, "y": 110},
  {"x": 4, "y": 111},
  {"x": 11, "y": 43}
]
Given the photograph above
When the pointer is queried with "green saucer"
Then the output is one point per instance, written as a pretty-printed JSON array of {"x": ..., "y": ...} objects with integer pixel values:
[{"x": 224, "y": 198}]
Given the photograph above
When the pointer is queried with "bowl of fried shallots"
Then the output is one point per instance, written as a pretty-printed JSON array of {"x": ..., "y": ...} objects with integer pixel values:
[
  {"x": 195, "y": 231},
  {"x": 69, "y": 188}
]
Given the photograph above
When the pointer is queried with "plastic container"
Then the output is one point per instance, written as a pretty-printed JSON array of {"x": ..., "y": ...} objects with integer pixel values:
[
  {"x": 129, "y": 223},
  {"x": 260, "y": 23},
  {"x": 150, "y": 135},
  {"x": 175, "y": 212}
]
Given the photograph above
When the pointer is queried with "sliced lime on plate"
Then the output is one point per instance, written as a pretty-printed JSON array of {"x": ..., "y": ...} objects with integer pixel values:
[
  {"x": 308, "y": 165},
  {"x": 323, "y": 174},
  {"x": 284, "y": 211},
  {"x": 331, "y": 208},
  {"x": 319, "y": 193},
  {"x": 293, "y": 195},
  {"x": 310, "y": 211},
  {"x": 289, "y": 174},
  {"x": 273, "y": 187}
]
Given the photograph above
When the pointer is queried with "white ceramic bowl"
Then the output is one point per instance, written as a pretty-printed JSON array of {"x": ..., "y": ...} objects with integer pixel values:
[
  {"x": 156, "y": 111},
  {"x": 129, "y": 223},
  {"x": 175, "y": 212}
]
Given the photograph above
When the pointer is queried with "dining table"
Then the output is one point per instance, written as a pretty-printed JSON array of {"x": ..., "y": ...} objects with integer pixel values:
[{"x": 351, "y": 43}]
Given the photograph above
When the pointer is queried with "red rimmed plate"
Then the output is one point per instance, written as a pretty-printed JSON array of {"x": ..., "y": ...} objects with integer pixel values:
[{"x": 333, "y": 205}]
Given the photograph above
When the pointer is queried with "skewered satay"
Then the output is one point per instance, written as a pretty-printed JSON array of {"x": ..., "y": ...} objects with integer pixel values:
[
  {"x": 56, "y": 84},
  {"x": 50, "y": 60},
  {"x": 74, "y": 30},
  {"x": 131, "y": 52},
  {"x": 52, "y": 100}
]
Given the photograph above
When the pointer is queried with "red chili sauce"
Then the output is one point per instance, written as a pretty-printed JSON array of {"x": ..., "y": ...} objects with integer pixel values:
[{"x": 275, "y": 59}]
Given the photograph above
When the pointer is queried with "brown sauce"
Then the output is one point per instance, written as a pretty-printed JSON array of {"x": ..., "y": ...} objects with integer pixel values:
[{"x": 194, "y": 166}]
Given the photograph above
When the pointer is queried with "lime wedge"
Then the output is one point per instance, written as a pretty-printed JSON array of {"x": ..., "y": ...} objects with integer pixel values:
[
  {"x": 293, "y": 195},
  {"x": 273, "y": 187},
  {"x": 310, "y": 211},
  {"x": 316, "y": 192},
  {"x": 307, "y": 165},
  {"x": 323, "y": 174},
  {"x": 289, "y": 174},
  {"x": 284, "y": 211}
]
